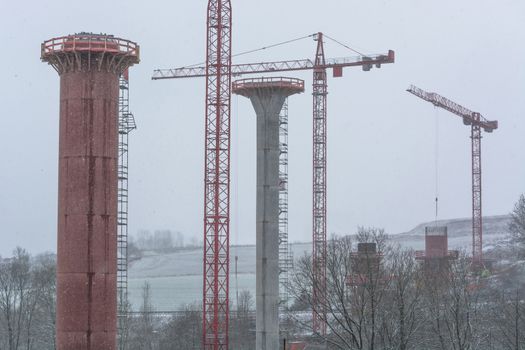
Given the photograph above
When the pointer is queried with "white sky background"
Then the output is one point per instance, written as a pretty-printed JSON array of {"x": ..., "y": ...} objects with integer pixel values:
[{"x": 381, "y": 139}]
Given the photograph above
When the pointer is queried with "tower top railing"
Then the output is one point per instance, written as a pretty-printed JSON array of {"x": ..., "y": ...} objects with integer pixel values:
[
  {"x": 89, "y": 42},
  {"x": 269, "y": 82}
]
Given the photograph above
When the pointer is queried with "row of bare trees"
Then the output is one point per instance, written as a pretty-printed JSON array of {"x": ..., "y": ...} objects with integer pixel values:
[
  {"x": 393, "y": 302},
  {"x": 399, "y": 304},
  {"x": 396, "y": 304}
]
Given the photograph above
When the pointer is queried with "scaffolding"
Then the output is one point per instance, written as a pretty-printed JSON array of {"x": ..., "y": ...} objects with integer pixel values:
[
  {"x": 126, "y": 125},
  {"x": 285, "y": 251}
]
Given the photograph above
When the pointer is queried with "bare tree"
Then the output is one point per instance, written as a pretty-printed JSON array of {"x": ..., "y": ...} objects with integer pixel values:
[
  {"x": 125, "y": 323},
  {"x": 40, "y": 324},
  {"x": 517, "y": 223},
  {"x": 183, "y": 331},
  {"x": 15, "y": 279},
  {"x": 511, "y": 320},
  {"x": 354, "y": 295},
  {"x": 370, "y": 291},
  {"x": 143, "y": 330},
  {"x": 27, "y": 301},
  {"x": 243, "y": 323},
  {"x": 246, "y": 304},
  {"x": 403, "y": 305},
  {"x": 453, "y": 303}
]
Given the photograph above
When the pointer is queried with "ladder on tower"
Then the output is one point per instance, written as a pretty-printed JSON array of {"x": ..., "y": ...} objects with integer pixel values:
[{"x": 126, "y": 123}]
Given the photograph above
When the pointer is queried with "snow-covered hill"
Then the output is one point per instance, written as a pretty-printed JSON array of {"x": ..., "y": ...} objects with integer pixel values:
[
  {"x": 176, "y": 278},
  {"x": 459, "y": 232}
]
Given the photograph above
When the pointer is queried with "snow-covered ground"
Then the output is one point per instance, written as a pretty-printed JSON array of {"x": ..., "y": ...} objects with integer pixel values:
[{"x": 176, "y": 278}]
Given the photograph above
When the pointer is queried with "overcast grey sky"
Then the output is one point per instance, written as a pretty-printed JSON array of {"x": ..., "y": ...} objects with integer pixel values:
[{"x": 381, "y": 139}]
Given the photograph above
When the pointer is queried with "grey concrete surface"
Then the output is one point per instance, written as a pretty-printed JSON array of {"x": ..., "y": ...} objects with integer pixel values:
[{"x": 267, "y": 100}]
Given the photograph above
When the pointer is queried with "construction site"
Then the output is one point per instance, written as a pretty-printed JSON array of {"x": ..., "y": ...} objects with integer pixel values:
[{"x": 322, "y": 274}]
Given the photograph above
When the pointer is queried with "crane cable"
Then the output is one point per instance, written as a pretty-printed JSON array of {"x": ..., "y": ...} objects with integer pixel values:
[
  {"x": 260, "y": 49},
  {"x": 234, "y": 129},
  {"x": 344, "y": 45},
  {"x": 274, "y": 45},
  {"x": 436, "y": 160},
  {"x": 236, "y": 189},
  {"x": 284, "y": 43},
  {"x": 297, "y": 39}
]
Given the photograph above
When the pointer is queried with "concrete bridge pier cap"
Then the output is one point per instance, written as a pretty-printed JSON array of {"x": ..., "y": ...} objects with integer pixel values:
[{"x": 267, "y": 96}]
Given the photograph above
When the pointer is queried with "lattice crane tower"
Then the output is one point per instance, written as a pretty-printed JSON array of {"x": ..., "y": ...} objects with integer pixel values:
[{"x": 217, "y": 177}]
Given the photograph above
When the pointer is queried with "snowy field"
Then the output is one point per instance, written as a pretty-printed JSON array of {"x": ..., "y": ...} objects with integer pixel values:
[{"x": 176, "y": 278}]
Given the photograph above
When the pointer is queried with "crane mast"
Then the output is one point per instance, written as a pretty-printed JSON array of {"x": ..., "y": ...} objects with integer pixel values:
[
  {"x": 476, "y": 122},
  {"x": 217, "y": 177}
]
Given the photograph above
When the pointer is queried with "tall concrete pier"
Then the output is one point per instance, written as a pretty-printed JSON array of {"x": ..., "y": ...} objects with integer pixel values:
[
  {"x": 267, "y": 96},
  {"x": 89, "y": 66}
]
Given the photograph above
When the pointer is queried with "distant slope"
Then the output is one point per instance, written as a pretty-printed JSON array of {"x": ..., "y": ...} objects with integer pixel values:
[
  {"x": 461, "y": 227},
  {"x": 495, "y": 229},
  {"x": 176, "y": 278}
]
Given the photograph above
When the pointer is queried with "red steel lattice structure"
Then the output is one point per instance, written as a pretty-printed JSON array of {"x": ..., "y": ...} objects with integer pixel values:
[
  {"x": 476, "y": 122},
  {"x": 217, "y": 177},
  {"x": 320, "y": 91}
]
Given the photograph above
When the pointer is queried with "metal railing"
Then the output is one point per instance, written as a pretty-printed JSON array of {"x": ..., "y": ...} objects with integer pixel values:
[
  {"x": 281, "y": 82},
  {"x": 87, "y": 42}
]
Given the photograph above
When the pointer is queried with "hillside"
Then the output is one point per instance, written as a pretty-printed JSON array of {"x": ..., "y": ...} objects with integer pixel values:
[
  {"x": 176, "y": 278},
  {"x": 459, "y": 232}
]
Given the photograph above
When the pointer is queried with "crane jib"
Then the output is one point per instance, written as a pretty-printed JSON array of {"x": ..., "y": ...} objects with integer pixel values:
[
  {"x": 367, "y": 62},
  {"x": 469, "y": 117}
]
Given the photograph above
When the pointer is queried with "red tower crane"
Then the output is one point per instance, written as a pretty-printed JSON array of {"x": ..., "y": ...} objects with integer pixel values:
[
  {"x": 319, "y": 66},
  {"x": 476, "y": 122},
  {"x": 217, "y": 177}
]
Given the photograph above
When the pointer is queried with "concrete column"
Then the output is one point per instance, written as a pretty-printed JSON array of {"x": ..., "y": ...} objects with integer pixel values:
[{"x": 267, "y": 97}]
